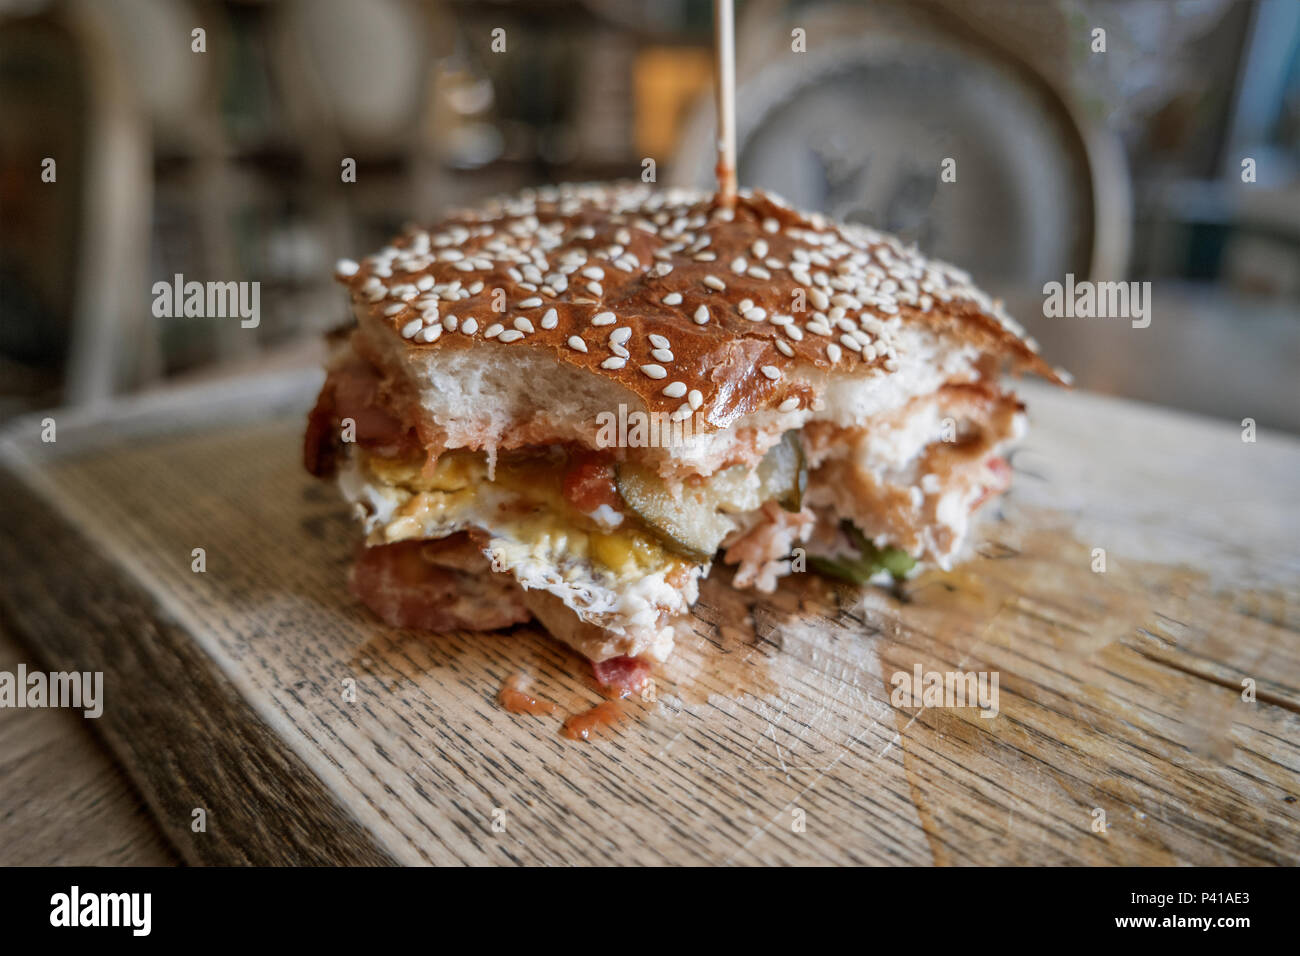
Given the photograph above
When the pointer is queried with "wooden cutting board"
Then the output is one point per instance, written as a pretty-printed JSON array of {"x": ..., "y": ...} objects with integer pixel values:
[{"x": 1122, "y": 735}]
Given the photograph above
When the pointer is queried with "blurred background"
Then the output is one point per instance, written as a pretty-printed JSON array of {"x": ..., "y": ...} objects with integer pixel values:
[{"x": 1119, "y": 162}]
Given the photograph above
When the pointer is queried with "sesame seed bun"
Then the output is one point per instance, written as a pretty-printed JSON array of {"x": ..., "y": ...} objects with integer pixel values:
[{"x": 658, "y": 299}]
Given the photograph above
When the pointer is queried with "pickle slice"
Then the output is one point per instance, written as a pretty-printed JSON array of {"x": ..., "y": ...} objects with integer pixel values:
[
  {"x": 694, "y": 522},
  {"x": 689, "y": 524},
  {"x": 783, "y": 472}
]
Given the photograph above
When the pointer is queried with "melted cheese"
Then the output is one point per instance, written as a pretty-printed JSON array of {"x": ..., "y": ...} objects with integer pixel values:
[{"x": 524, "y": 504}]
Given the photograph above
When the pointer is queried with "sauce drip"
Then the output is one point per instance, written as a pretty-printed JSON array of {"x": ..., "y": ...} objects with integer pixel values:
[
  {"x": 581, "y": 726},
  {"x": 515, "y": 698}
]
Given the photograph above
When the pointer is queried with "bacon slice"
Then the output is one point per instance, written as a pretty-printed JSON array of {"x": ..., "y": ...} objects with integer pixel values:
[
  {"x": 621, "y": 675},
  {"x": 407, "y": 585},
  {"x": 354, "y": 390}
]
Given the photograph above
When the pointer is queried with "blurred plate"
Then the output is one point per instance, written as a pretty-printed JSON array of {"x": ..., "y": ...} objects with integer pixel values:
[{"x": 860, "y": 130}]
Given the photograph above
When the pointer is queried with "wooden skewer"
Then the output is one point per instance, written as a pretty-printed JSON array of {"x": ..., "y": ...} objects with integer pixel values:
[{"x": 724, "y": 62}]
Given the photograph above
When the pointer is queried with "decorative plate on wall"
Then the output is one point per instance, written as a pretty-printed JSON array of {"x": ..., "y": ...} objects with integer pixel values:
[{"x": 861, "y": 130}]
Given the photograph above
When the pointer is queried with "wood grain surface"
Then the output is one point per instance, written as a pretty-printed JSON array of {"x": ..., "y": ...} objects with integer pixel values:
[
  {"x": 771, "y": 737},
  {"x": 63, "y": 800}
]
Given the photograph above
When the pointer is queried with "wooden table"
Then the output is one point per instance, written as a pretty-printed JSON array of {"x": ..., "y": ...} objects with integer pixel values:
[
  {"x": 1122, "y": 735},
  {"x": 63, "y": 800}
]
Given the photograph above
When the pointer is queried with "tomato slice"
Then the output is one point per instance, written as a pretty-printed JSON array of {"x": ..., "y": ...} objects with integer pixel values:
[{"x": 589, "y": 482}]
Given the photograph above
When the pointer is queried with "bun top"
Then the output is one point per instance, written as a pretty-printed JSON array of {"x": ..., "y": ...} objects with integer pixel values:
[{"x": 698, "y": 309}]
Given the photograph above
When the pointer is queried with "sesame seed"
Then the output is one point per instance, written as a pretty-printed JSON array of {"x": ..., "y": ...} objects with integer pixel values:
[
  {"x": 771, "y": 371},
  {"x": 613, "y": 363},
  {"x": 744, "y": 305},
  {"x": 523, "y": 325},
  {"x": 675, "y": 389},
  {"x": 410, "y": 328},
  {"x": 603, "y": 318},
  {"x": 855, "y": 281},
  {"x": 789, "y": 405},
  {"x": 695, "y": 398},
  {"x": 510, "y": 335},
  {"x": 684, "y": 411},
  {"x": 577, "y": 344},
  {"x": 430, "y": 333},
  {"x": 493, "y": 330},
  {"x": 654, "y": 371},
  {"x": 620, "y": 335}
]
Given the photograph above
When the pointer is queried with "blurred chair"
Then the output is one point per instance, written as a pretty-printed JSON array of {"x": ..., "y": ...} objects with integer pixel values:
[{"x": 73, "y": 252}]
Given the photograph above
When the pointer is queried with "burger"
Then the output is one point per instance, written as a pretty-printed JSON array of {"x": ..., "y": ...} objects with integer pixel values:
[{"x": 568, "y": 404}]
